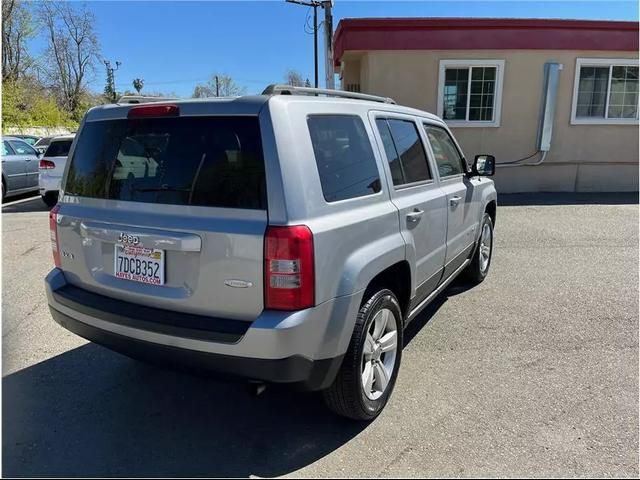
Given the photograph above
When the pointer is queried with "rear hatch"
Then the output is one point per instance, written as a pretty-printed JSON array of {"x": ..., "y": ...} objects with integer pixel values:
[
  {"x": 55, "y": 158},
  {"x": 168, "y": 211}
]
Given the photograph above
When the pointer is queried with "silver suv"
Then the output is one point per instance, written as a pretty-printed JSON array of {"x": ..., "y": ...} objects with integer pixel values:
[{"x": 284, "y": 238}]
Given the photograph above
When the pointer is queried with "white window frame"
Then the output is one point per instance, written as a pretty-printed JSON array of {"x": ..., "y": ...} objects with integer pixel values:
[
  {"x": 600, "y": 62},
  {"x": 497, "y": 101}
]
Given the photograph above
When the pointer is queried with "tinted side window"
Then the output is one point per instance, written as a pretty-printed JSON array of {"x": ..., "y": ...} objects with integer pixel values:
[
  {"x": 21, "y": 148},
  {"x": 58, "y": 148},
  {"x": 402, "y": 141},
  {"x": 390, "y": 149},
  {"x": 344, "y": 156},
  {"x": 446, "y": 154}
]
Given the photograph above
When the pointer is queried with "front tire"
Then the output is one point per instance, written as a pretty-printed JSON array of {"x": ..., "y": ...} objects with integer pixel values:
[
  {"x": 370, "y": 367},
  {"x": 478, "y": 269}
]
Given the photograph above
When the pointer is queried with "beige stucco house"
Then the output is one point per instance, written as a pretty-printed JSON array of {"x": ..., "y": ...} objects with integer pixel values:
[{"x": 489, "y": 79}]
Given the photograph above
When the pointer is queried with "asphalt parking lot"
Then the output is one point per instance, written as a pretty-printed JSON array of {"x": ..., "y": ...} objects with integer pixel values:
[{"x": 532, "y": 373}]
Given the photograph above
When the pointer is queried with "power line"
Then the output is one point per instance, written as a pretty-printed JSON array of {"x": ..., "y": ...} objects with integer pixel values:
[{"x": 203, "y": 79}]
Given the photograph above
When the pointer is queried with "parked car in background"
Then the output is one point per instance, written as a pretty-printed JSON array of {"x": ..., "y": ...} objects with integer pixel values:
[
  {"x": 19, "y": 167},
  {"x": 51, "y": 167},
  {"x": 30, "y": 139},
  {"x": 42, "y": 144},
  {"x": 285, "y": 238}
]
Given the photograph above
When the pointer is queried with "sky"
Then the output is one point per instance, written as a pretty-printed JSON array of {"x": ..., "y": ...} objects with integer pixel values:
[{"x": 175, "y": 45}]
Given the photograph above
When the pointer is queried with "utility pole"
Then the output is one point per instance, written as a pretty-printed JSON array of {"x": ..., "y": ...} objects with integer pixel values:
[
  {"x": 315, "y": 44},
  {"x": 111, "y": 78},
  {"x": 328, "y": 44},
  {"x": 217, "y": 86},
  {"x": 327, "y": 5}
]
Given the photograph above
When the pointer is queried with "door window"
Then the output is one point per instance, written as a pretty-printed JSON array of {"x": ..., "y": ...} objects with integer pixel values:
[
  {"x": 447, "y": 156},
  {"x": 405, "y": 152},
  {"x": 21, "y": 148}
]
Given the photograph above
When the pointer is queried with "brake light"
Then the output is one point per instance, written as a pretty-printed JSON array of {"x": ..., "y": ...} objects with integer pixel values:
[
  {"x": 53, "y": 232},
  {"x": 288, "y": 271},
  {"x": 146, "y": 111},
  {"x": 46, "y": 165}
]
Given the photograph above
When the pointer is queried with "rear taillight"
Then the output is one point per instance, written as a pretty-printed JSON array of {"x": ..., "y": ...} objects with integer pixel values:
[
  {"x": 46, "y": 165},
  {"x": 53, "y": 232},
  {"x": 289, "y": 282}
]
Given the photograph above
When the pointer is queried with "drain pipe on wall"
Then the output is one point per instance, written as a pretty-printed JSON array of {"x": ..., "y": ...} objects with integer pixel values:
[{"x": 547, "y": 114}]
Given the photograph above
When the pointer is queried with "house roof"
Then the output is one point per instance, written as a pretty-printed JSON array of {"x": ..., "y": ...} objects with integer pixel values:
[{"x": 482, "y": 33}]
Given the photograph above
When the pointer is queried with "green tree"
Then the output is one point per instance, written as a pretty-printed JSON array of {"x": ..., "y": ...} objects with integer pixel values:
[
  {"x": 110, "y": 93},
  {"x": 26, "y": 104},
  {"x": 138, "y": 84}
]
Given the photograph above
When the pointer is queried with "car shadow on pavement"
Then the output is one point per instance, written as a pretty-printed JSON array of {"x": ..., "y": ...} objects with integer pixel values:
[
  {"x": 457, "y": 287},
  {"x": 93, "y": 413}
]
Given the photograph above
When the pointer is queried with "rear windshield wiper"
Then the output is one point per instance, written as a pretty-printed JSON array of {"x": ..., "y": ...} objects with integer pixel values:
[{"x": 161, "y": 188}]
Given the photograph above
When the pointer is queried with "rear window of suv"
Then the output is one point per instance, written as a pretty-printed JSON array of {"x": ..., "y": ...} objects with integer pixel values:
[
  {"x": 344, "y": 157},
  {"x": 58, "y": 148},
  {"x": 203, "y": 161}
]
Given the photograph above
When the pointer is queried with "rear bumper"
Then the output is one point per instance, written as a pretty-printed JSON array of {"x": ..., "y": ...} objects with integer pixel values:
[
  {"x": 302, "y": 348},
  {"x": 48, "y": 183}
]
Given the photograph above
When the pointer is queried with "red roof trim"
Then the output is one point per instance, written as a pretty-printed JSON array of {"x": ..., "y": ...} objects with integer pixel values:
[{"x": 483, "y": 33}]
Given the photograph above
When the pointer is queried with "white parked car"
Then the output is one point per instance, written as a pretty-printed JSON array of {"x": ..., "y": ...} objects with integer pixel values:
[{"x": 51, "y": 168}]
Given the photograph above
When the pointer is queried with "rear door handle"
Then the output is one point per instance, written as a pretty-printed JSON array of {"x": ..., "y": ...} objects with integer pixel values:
[
  {"x": 454, "y": 201},
  {"x": 415, "y": 216}
]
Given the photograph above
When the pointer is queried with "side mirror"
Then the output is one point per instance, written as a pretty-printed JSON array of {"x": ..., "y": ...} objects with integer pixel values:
[{"x": 484, "y": 165}]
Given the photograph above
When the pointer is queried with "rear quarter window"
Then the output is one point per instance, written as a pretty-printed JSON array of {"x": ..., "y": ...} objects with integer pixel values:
[{"x": 344, "y": 157}]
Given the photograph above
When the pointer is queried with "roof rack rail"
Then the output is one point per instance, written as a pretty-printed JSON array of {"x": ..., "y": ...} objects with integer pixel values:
[
  {"x": 291, "y": 90},
  {"x": 144, "y": 99}
]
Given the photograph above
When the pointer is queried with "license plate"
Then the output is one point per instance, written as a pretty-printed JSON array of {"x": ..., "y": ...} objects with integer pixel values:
[{"x": 138, "y": 264}]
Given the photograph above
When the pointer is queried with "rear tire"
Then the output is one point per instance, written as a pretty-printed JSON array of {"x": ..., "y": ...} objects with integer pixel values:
[
  {"x": 50, "y": 199},
  {"x": 370, "y": 367},
  {"x": 478, "y": 269}
]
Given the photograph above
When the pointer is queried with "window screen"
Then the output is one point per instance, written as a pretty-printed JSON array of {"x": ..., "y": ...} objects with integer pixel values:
[
  {"x": 623, "y": 99},
  {"x": 344, "y": 156},
  {"x": 469, "y": 93},
  {"x": 609, "y": 91}
]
